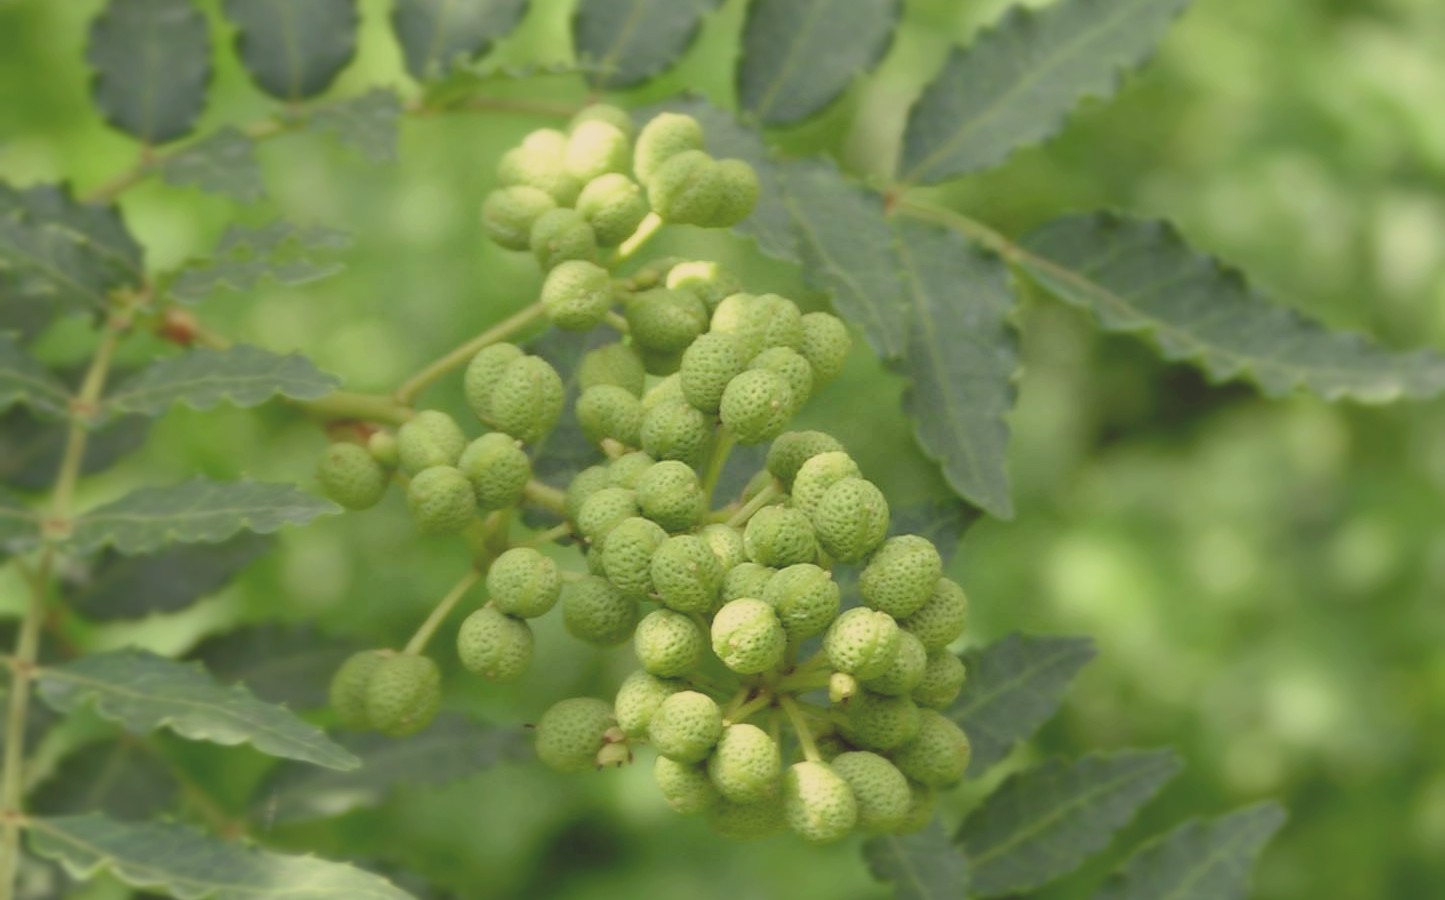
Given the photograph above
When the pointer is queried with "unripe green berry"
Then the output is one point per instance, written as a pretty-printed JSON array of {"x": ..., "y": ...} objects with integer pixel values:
[
  {"x": 496, "y": 646},
  {"x": 880, "y": 790},
  {"x": 685, "y": 786},
  {"x": 688, "y": 189},
  {"x": 482, "y": 374},
  {"x": 819, "y": 472},
  {"x": 818, "y": 803},
  {"x": 726, "y": 543},
  {"x": 862, "y": 642},
  {"x": 562, "y": 234},
  {"x": 615, "y": 364},
  {"x": 756, "y": 406},
  {"x": 667, "y": 390},
  {"x": 791, "y": 449},
  {"x": 538, "y": 162},
  {"x": 614, "y": 206},
  {"x": 747, "y": 821},
  {"x": 662, "y": 138},
  {"x": 627, "y": 554},
  {"x": 675, "y": 430},
  {"x": 430, "y": 438},
  {"x": 906, "y": 670},
  {"x": 686, "y": 575},
  {"x": 923, "y": 802},
  {"x": 583, "y": 485},
  {"x": 901, "y": 576},
  {"x": 825, "y": 345},
  {"x": 351, "y": 476},
  {"x": 746, "y": 580},
  {"x": 663, "y": 320},
  {"x": 596, "y": 148},
  {"x": 669, "y": 494},
  {"x": 524, "y": 583},
  {"x": 707, "y": 366},
  {"x": 571, "y": 732},
  {"x": 604, "y": 112},
  {"x": 686, "y": 726},
  {"x": 509, "y": 213},
  {"x": 761, "y": 321},
  {"x": 660, "y": 362},
  {"x": 779, "y": 536},
  {"x": 598, "y": 613},
  {"x": 938, "y": 756},
  {"x": 668, "y": 643},
  {"x": 576, "y": 294},
  {"x": 497, "y": 468},
  {"x": 705, "y": 278},
  {"x": 943, "y": 678},
  {"x": 382, "y": 447},
  {"x": 441, "y": 500},
  {"x": 941, "y": 620},
  {"x": 747, "y": 636},
  {"x": 403, "y": 695},
  {"x": 527, "y": 399},
  {"x": 746, "y": 765},
  {"x": 608, "y": 412},
  {"x": 851, "y": 519},
  {"x": 806, "y": 599},
  {"x": 638, "y": 699},
  {"x": 602, "y": 512},
  {"x": 653, "y": 273},
  {"x": 877, "y": 722},
  {"x": 348, "y": 687},
  {"x": 794, "y": 369},
  {"x": 738, "y": 194}
]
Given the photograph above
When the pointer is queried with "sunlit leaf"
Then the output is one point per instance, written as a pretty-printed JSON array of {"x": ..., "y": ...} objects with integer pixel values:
[
  {"x": 438, "y": 35},
  {"x": 152, "y": 61},
  {"x": 294, "y": 50},
  {"x": 626, "y": 42}
]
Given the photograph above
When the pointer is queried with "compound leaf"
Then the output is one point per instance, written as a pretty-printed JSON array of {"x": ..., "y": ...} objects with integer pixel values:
[
  {"x": 1199, "y": 860},
  {"x": 31, "y": 449},
  {"x": 626, "y": 42},
  {"x": 368, "y": 123},
  {"x": 290, "y": 664},
  {"x": 152, "y": 61},
  {"x": 130, "y": 587},
  {"x": 223, "y": 163},
  {"x": 1018, "y": 81},
  {"x": 202, "y": 378},
  {"x": 24, "y": 380},
  {"x": 119, "y": 778},
  {"x": 294, "y": 50},
  {"x": 143, "y": 692},
  {"x": 922, "y": 866},
  {"x": 438, "y": 35},
  {"x": 244, "y": 257}
]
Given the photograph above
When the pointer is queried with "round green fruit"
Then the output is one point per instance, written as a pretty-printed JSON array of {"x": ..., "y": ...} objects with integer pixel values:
[
  {"x": 576, "y": 294},
  {"x": 348, "y": 687},
  {"x": 746, "y": 766},
  {"x": 495, "y": 646},
  {"x": 571, "y": 733},
  {"x": 351, "y": 476},
  {"x": 430, "y": 438},
  {"x": 509, "y": 213},
  {"x": 862, "y": 642},
  {"x": 596, "y": 612},
  {"x": 779, "y": 536},
  {"x": 668, "y": 643},
  {"x": 497, "y": 468},
  {"x": 901, "y": 576},
  {"x": 524, "y": 583},
  {"x": 441, "y": 500},
  {"x": 817, "y": 802},
  {"x": 686, "y": 575},
  {"x": 747, "y": 636},
  {"x": 403, "y": 695},
  {"x": 639, "y": 697},
  {"x": 686, "y": 726},
  {"x": 881, "y": 791}
]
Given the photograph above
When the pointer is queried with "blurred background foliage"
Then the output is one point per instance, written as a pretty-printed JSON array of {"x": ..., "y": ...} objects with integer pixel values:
[{"x": 1264, "y": 579}]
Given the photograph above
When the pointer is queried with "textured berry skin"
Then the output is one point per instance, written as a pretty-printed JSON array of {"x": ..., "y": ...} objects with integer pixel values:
[
  {"x": 747, "y": 636},
  {"x": 669, "y": 494},
  {"x": 818, "y": 473},
  {"x": 495, "y": 646},
  {"x": 674, "y": 430},
  {"x": 747, "y": 821},
  {"x": 941, "y": 620},
  {"x": 901, "y": 576},
  {"x": 746, "y": 766},
  {"x": 795, "y": 371},
  {"x": 738, "y": 193},
  {"x": 626, "y": 470},
  {"x": 705, "y": 278},
  {"x": 509, "y": 213},
  {"x": 431, "y": 438},
  {"x": 482, "y": 374},
  {"x": 791, "y": 449},
  {"x": 663, "y": 320},
  {"x": 851, "y": 519},
  {"x": 806, "y": 599},
  {"x": 686, "y": 726},
  {"x": 638, "y": 699},
  {"x": 576, "y": 294},
  {"x": 943, "y": 679},
  {"x": 403, "y": 695},
  {"x": 351, "y": 476},
  {"x": 527, "y": 399},
  {"x": 818, "y": 803},
  {"x": 756, "y": 406},
  {"x": 524, "y": 583},
  {"x": 762, "y": 321},
  {"x": 584, "y": 484},
  {"x": 746, "y": 580},
  {"x": 713, "y": 360},
  {"x": 570, "y": 733},
  {"x": 660, "y": 362},
  {"x": 602, "y": 512},
  {"x": 604, "y": 112},
  {"x": 382, "y": 447},
  {"x": 880, "y": 790},
  {"x": 922, "y": 805},
  {"x": 938, "y": 756},
  {"x": 906, "y": 670},
  {"x": 725, "y": 542},
  {"x": 862, "y": 642},
  {"x": 779, "y": 536},
  {"x": 685, "y": 787},
  {"x": 687, "y": 189},
  {"x": 559, "y": 235},
  {"x": 880, "y": 723},
  {"x": 667, "y": 390},
  {"x": 627, "y": 554},
  {"x": 597, "y": 613},
  {"x": 668, "y": 643},
  {"x": 441, "y": 500},
  {"x": 825, "y": 345},
  {"x": 497, "y": 468},
  {"x": 686, "y": 575},
  {"x": 348, "y": 687},
  {"x": 610, "y": 412},
  {"x": 663, "y": 137},
  {"x": 537, "y": 162},
  {"x": 615, "y": 364},
  {"x": 614, "y": 206},
  {"x": 595, "y": 148}
]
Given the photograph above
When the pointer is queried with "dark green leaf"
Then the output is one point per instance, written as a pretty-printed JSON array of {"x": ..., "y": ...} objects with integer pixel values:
[
  {"x": 564, "y": 451},
  {"x": 452, "y": 747},
  {"x": 203, "y": 378},
  {"x": 191, "y": 866},
  {"x": 1199, "y": 860},
  {"x": 58, "y": 250},
  {"x": 144, "y": 692},
  {"x": 129, "y": 587},
  {"x": 152, "y": 61},
  {"x": 23, "y": 315},
  {"x": 223, "y": 163},
  {"x": 31, "y": 448},
  {"x": 438, "y": 35},
  {"x": 244, "y": 257},
  {"x": 962, "y": 354},
  {"x": 923, "y": 866},
  {"x": 1043, "y": 822},
  {"x": 941, "y": 521},
  {"x": 799, "y": 55},
  {"x": 1140, "y": 276},
  {"x": 118, "y": 778},
  {"x": 19, "y": 525},
  {"x": 1014, "y": 686},
  {"x": 23, "y": 380},
  {"x": 294, "y": 50},
  {"x": 1018, "y": 82},
  {"x": 195, "y": 511},
  {"x": 290, "y": 664},
  {"x": 626, "y": 42},
  {"x": 368, "y": 123}
]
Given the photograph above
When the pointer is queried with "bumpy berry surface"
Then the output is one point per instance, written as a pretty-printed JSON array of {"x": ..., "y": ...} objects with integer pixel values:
[
  {"x": 685, "y": 786},
  {"x": 509, "y": 213},
  {"x": 608, "y": 412},
  {"x": 851, "y": 519},
  {"x": 626, "y": 470},
  {"x": 906, "y": 670},
  {"x": 879, "y": 789},
  {"x": 725, "y": 542},
  {"x": 943, "y": 678},
  {"x": 562, "y": 234},
  {"x": 746, "y": 766},
  {"x": 348, "y": 687},
  {"x": 586, "y": 483},
  {"x": 524, "y": 583},
  {"x": 938, "y": 756},
  {"x": 596, "y": 612},
  {"x": 778, "y": 536},
  {"x": 794, "y": 369},
  {"x": 669, "y": 494},
  {"x": 527, "y": 399},
  {"x": 707, "y": 366},
  {"x": 788, "y": 452},
  {"x": 877, "y": 722},
  {"x": 604, "y": 112},
  {"x": 818, "y": 803},
  {"x": 805, "y": 597},
  {"x": 668, "y": 643},
  {"x": 615, "y": 364},
  {"x": 538, "y": 163},
  {"x": 403, "y": 695},
  {"x": 495, "y": 646},
  {"x": 430, "y": 438},
  {"x": 686, "y": 574},
  {"x": 627, "y": 554},
  {"x": 687, "y": 189},
  {"x": 686, "y": 726},
  {"x": 663, "y": 137},
  {"x": 756, "y": 406},
  {"x": 571, "y": 732},
  {"x": 818, "y": 473},
  {"x": 382, "y": 447},
  {"x": 576, "y": 294},
  {"x": 901, "y": 576},
  {"x": 747, "y": 636},
  {"x": 441, "y": 500},
  {"x": 596, "y": 148},
  {"x": 738, "y": 193},
  {"x": 825, "y": 344},
  {"x": 603, "y": 511},
  {"x": 614, "y": 205},
  {"x": 761, "y": 320},
  {"x": 674, "y": 430},
  {"x": 746, "y": 580},
  {"x": 665, "y": 320},
  {"x": 923, "y": 803},
  {"x": 667, "y": 390},
  {"x": 497, "y": 468},
  {"x": 482, "y": 374},
  {"x": 351, "y": 476},
  {"x": 639, "y": 697},
  {"x": 862, "y": 642},
  {"x": 709, "y": 280},
  {"x": 941, "y": 620}
]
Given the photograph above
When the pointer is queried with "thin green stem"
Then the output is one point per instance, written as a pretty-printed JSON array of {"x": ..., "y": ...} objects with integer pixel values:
[
  {"x": 551, "y": 535},
  {"x": 614, "y": 320},
  {"x": 463, "y": 354},
  {"x": 343, "y": 405},
  {"x": 545, "y": 496},
  {"x": 744, "y": 712},
  {"x": 973, "y": 228},
  {"x": 737, "y": 700},
  {"x": 800, "y": 727},
  {"x": 424, "y": 634},
  {"x": 648, "y": 227},
  {"x": 767, "y": 495},
  {"x": 716, "y": 463}
]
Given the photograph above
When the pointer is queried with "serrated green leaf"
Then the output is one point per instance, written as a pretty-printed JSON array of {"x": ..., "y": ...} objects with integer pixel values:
[
  {"x": 118, "y": 778},
  {"x": 1140, "y": 276},
  {"x": 1018, "y": 81},
  {"x": 57, "y": 250},
  {"x": 1014, "y": 686},
  {"x": 152, "y": 62},
  {"x": 144, "y": 692},
  {"x": 203, "y": 378},
  {"x": 19, "y": 525},
  {"x": 190, "y": 866},
  {"x": 223, "y": 163},
  {"x": 290, "y": 664},
  {"x": 244, "y": 257},
  {"x": 1043, "y": 822},
  {"x": 451, "y": 748},
  {"x": 195, "y": 511},
  {"x": 294, "y": 50},
  {"x": 799, "y": 55},
  {"x": 962, "y": 354},
  {"x": 130, "y": 587},
  {"x": 31, "y": 449},
  {"x": 24, "y": 380},
  {"x": 369, "y": 123},
  {"x": 438, "y": 35},
  {"x": 626, "y": 42},
  {"x": 922, "y": 866},
  {"x": 1199, "y": 860}
]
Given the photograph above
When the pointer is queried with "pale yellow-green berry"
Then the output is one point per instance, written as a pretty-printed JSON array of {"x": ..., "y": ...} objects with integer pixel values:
[
  {"x": 602, "y": 511},
  {"x": 571, "y": 732},
  {"x": 825, "y": 345},
  {"x": 805, "y": 597},
  {"x": 576, "y": 294},
  {"x": 938, "y": 756},
  {"x": 430, "y": 438},
  {"x": 403, "y": 695},
  {"x": 441, "y": 500},
  {"x": 608, "y": 412},
  {"x": 495, "y": 646},
  {"x": 675, "y": 430},
  {"x": 685, "y": 786},
  {"x": 794, "y": 369},
  {"x": 351, "y": 476},
  {"x": 906, "y": 670},
  {"x": 662, "y": 138},
  {"x": 667, "y": 390},
  {"x": 746, "y": 766},
  {"x": 686, "y": 726},
  {"x": 818, "y": 803},
  {"x": 639, "y": 697},
  {"x": 348, "y": 687},
  {"x": 862, "y": 642},
  {"x": 747, "y": 636},
  {"x": 943, "y": 679},
  {"x": 668, "y": 643},
  {"x": 615, "y": 364},
  {"x": 482, "y": 374},
  {"x": 627, "y": 554},
  {"x": 598, "y": 613},
  {"x": 497, "y": 468},
  {"x": 626, "y": 470},
  {"x": 604, "y": 112},
  {"x": 524, "y": 583},
  {"x": 779, "y": 536},
  {"x": 877, "y": 722},
  {"x": 761, "y": 321},
  {"x": 669, "y": 494},
  {"x": 584, "y": 484},
  {"x": 819, "y": 472},
  {"x": 880, "y": 790},
  {"x": 756, "y": 406},
  {"x": 382, "y": 447},
  {"x": 562, "y": 234},
  {"x": 527, "y": 398},
  {"x": 851, "y": 519},
  {"x": 538, "y": 162},
  {"x": 664, "y": 320},
  {"x": 901, "y": 576},
  {"x": 687, "y": 189},
  {"x": 596, "y": 148},
  {"x": 614, "y": 205},
  {"x": 709, "y": 280},
  {"x": 738, "y": 193},
  {"x": 685, "y": 574},
  {"x": 941, "y": 620},
  {"x": 707, "y": 366},
  {"x": 746, "y": 580},
  {"x": 509, "y": 213},
  {"x": 726, "y": 543}
]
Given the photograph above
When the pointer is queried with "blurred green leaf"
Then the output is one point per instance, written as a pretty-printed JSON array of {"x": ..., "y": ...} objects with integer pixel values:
[
  {"x": 438, "y": 35},
  {"x": 221, "y": 163},
  {"x": 626, "y": 42},
  {"x": 31, "y": 449},
  {"x": 941, "y": 521},
  {"x": 130, "y": 587},
  {"x": 565, "y": 450},
  {"x": 203, "y": 378},
  {"x": 369, "y": 123},
  {"x": 290, "y": 664},
  {"x": 118, "y": 778},
  {"x": 799, "y": 55},
  {"x": 1139, "y": 276},
  {"x": 144, "y": 692},
  {"x": 1043, "y": 822},
  {"x": 294, "y": 50},
  {"x": 1018, "y": 81},
  {"x": 19, "y": 525},
  {"x": 280, "y": 251},
  {"x": 152, "y": 61},
  {"x": 922, "y": 866},
  {"x": 1199, "y": 860},
  {"x": 24, "y": 380}
]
